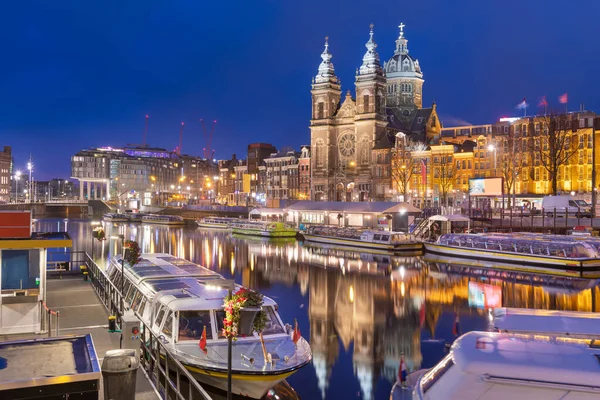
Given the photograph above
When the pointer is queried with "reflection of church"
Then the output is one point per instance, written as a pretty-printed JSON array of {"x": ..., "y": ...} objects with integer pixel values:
[{"x": 352, "y": 139}]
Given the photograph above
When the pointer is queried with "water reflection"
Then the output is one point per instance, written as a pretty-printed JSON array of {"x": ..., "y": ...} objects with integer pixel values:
[{"x": 357, "y": 309}]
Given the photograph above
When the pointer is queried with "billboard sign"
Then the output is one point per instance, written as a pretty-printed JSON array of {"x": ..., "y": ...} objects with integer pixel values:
[
  {"x": 482, "y": 295},
  {"x": 485, "y": 187}
]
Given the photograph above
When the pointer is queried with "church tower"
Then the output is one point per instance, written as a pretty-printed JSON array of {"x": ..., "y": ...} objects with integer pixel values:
[
  {"x": 404, "y": 78},
  {"x": 326, "y": 93}
]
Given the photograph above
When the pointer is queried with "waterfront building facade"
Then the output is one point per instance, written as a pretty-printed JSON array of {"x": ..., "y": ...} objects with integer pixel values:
[
  {"x": 5, "y": 174},
  {"x": 282, "y": 178}
]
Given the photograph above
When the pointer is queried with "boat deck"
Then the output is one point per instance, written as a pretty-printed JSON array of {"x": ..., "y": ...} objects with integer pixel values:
[{"x": 81, "y": 312}]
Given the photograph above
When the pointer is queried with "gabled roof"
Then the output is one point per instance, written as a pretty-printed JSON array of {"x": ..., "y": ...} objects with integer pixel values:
[
  {"x": 387, "y": 141},
  {"x": 395, "y": 121},
  {"x": 420, "y": 119}
]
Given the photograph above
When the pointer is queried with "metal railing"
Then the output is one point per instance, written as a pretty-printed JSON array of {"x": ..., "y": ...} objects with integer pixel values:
[
  {"x": 170, "y": 378},
  {"x": 46, "y": 318}
]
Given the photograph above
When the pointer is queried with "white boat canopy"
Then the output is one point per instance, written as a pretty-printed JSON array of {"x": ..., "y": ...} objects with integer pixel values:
[
  {"x": 379, "y": 207},
  {"x": 450, "y": 218}
]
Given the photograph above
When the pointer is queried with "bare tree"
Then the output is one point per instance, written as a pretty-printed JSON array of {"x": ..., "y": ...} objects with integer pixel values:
[
  {"x": 445, "y": 173},
  {"x": 405, "y": 159},
  {"x": 511, "y": 163},
  {"x": 554, "y": 143}
]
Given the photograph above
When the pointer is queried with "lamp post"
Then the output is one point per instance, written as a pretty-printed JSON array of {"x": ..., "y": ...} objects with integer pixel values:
[
  {"x": 30, "y": 168},
  {"x": 491, "y": 147},
  {"x": 17, "y": 179}
]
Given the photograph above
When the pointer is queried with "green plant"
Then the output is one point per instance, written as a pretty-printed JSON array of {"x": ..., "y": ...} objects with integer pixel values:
[
  {"x": 99, "y": 233},
  {"x": 240, "y": 299},
  {"x": 132, "y": 252}
]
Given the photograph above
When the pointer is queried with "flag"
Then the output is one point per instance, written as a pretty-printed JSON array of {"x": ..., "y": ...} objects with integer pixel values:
[
  {"x": 456, "y": 326},
  {"x": 543, "y": 102},
  {"x": 402, "y": 373},
  {"x": 423, "y": 173},
  {"x": 297, "y": 334},
  {"x": 203, "y": 341},
  {"x": 522, "y": 105},
  {"x": 563, "y": 99}
]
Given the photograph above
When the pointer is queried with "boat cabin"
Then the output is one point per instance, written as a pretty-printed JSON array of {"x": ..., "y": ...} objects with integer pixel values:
[
  {"x": 177, "y": 298},
  {"x": 492, "y": 366},
  {"x": 585, "y": 325}
]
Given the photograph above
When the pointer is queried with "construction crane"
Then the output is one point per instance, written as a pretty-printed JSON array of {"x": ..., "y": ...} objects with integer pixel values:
[
  {"x": 180, "y": 138},
  {"x": 145, "y": 132},
  {"x": 208, "y": 139}
]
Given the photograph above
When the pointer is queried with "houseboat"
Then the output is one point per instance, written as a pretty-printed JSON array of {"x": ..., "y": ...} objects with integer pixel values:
[
  {"x": 363, "y": 238},
  {"x": 115, "y": 217},
  {"x": 551, "y": 254},
  {"x": 216, "y": 222},
  {"x": 487, "y": 365},
  {"x": 177, "y": 300},
  {"x": 264, "y": 229},
  {"x": 163, "y": 219}
]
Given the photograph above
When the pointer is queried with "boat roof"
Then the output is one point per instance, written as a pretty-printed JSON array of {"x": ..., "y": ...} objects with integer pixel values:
[
  {"x": 451, "y": 218},
  {"x": 178, "y": 282},
  {"x": 568, "y": 323},
  {"x": 527, "y": 357}
]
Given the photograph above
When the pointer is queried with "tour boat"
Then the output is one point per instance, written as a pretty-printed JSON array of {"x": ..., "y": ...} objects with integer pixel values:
[
  {"x": 487, "y": 365},
  {"x": 163, "y": 219},
  {"x": 115, "y": 217},
  {"x": 177, "y": 299},
  {"x": 216, "y": 222},
  {"x": 263, "y": 229},
  {"x": 574, "y": 324},
  {"x": 553, "y": 254},
  {"x": 364, "y": 238},
  {"x": 135, "y": 217}
]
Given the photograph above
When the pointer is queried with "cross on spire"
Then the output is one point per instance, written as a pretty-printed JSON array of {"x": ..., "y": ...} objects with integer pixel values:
[
  {"x": 401, "y": 26},
  {"x": 371, "y": 26}
]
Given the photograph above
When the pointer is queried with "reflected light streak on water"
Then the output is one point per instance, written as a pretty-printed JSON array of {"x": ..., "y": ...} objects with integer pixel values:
[{"x": 358, "y": 323}]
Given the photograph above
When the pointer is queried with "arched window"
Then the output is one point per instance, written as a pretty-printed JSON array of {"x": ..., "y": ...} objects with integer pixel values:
[
  {"x": 320, "y": 152},
  {"x": 365, "y": 149},
  {"x": 409, "y": 87}
]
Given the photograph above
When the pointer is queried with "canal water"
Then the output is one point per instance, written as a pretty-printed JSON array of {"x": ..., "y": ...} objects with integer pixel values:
[{"x": 360, "y": 312}]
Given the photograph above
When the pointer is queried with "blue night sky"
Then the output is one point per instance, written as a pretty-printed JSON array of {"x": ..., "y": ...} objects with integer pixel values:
[{"x": 77, "y": 74}]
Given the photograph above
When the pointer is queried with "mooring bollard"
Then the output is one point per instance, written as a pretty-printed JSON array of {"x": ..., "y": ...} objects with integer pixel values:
[
  {"x": 112, "y": 323},
  {"x": 85, "y": 276}
]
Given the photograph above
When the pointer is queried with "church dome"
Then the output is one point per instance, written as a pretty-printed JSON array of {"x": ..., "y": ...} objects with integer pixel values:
[{"x": 402, "y": 65}]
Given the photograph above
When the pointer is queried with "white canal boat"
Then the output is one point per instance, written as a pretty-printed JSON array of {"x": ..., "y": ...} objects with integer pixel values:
[
  {"x": 492, "y": 366},
  {"x": 551, "y": 254},
  {"x": 363, "y": 238},
  {"x": 216, "y": 222},
  {"x": 163, "y": 219},
  {"x": 178, "y": 299},
  {"x": 115, "y": 217},
  {"x": 272, "y": 230}
]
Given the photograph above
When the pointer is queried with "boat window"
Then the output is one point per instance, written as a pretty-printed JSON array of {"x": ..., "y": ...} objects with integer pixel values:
[
  {"x": 168, "y": 328},
  {"x": 272, "y": 326},
  {"x": 136, "y": 300},
  {"x": 117, "y": 282},
  {"x": 142, "y": 306},
  {"x": 385, "y": 238},
  {"x": 160, "y": 316},
  {"x": 434, "y": 375},
  {"x": 126, "y": 287},
  {"x": 131, "y": 294},
  {"x": 220, "y": 317},
  {"x": 376, "y": 237},
  {"x": 192, "y": 323}
]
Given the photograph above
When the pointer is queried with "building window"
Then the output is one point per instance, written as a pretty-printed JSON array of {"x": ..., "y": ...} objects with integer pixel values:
[
  {"x": 366, "y": 107},
  {"x": 320, "y": 153},
  {"x": 320, "y": 110}
]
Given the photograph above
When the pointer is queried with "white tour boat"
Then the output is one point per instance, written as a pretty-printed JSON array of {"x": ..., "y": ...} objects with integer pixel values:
[
  {"x": 178, "y": 299},
  {"x": 216, "y": 222},
  {"x": 492, "y": 366},
  {"x": 163, "y": 219},
  {"x": 552, "y": 254},
  {"x": 115, "y": 217},
  {"x": 263, "y": 229},
  {"x": 363, "y": 238}
]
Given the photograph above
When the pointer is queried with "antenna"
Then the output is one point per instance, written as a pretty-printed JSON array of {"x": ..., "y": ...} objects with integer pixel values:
[
  {"x": 145, "y": 132},
  {"x": 180, "y": 137}
]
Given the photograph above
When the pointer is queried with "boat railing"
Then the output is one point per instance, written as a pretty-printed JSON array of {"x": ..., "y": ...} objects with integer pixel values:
[{"x": 168, "y": 376}]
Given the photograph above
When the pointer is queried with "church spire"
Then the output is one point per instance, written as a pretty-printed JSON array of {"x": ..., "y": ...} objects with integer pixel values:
[
  {"x": 401, "y": 42},
  {"x": 326, "y": 72},
  {"x": 371, "y": 63}
]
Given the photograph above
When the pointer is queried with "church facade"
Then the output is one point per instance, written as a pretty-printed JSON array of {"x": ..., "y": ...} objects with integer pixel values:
[{"x": 352, "y": 140}]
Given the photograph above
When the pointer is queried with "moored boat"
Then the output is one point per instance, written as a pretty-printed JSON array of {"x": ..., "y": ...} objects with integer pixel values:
[
  {"x": 163, "y": 219},
  {"x": 486, "y": 365},
  {"x": 115, "y": 217},
  {"x": 135, "y": 217},
  {"x": 216, "y": 222},
  {"x": 177, "y": 300},
  {"x": 363, "y": 238},
  {"x": 264, "y": 229},
  {"x": 551, "y": 254}
]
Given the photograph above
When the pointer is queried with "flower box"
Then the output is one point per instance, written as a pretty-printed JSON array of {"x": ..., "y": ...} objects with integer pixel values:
[{"x": 246, "y": 324}]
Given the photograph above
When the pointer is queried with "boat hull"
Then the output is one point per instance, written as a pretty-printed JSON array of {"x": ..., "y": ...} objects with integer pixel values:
[
  {"x": 171, "y": 223},
  {"x": 115, "y": 219},
  {"x": 414, "y": 247},
  {"x": 263, "y": 233},
  {"x": 587, "y": 268},
  {"x": 213, "y": 226},
  {"x": 254, "y": 386}
]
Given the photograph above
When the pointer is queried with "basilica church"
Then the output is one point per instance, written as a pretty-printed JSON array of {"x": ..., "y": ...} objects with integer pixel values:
[{"x": 353, "y": 139}]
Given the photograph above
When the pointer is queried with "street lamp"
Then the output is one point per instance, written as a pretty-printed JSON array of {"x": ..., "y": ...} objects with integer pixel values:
[
  {"x": 17, "y": 178},
  {"x": 30, "y": 168}
]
